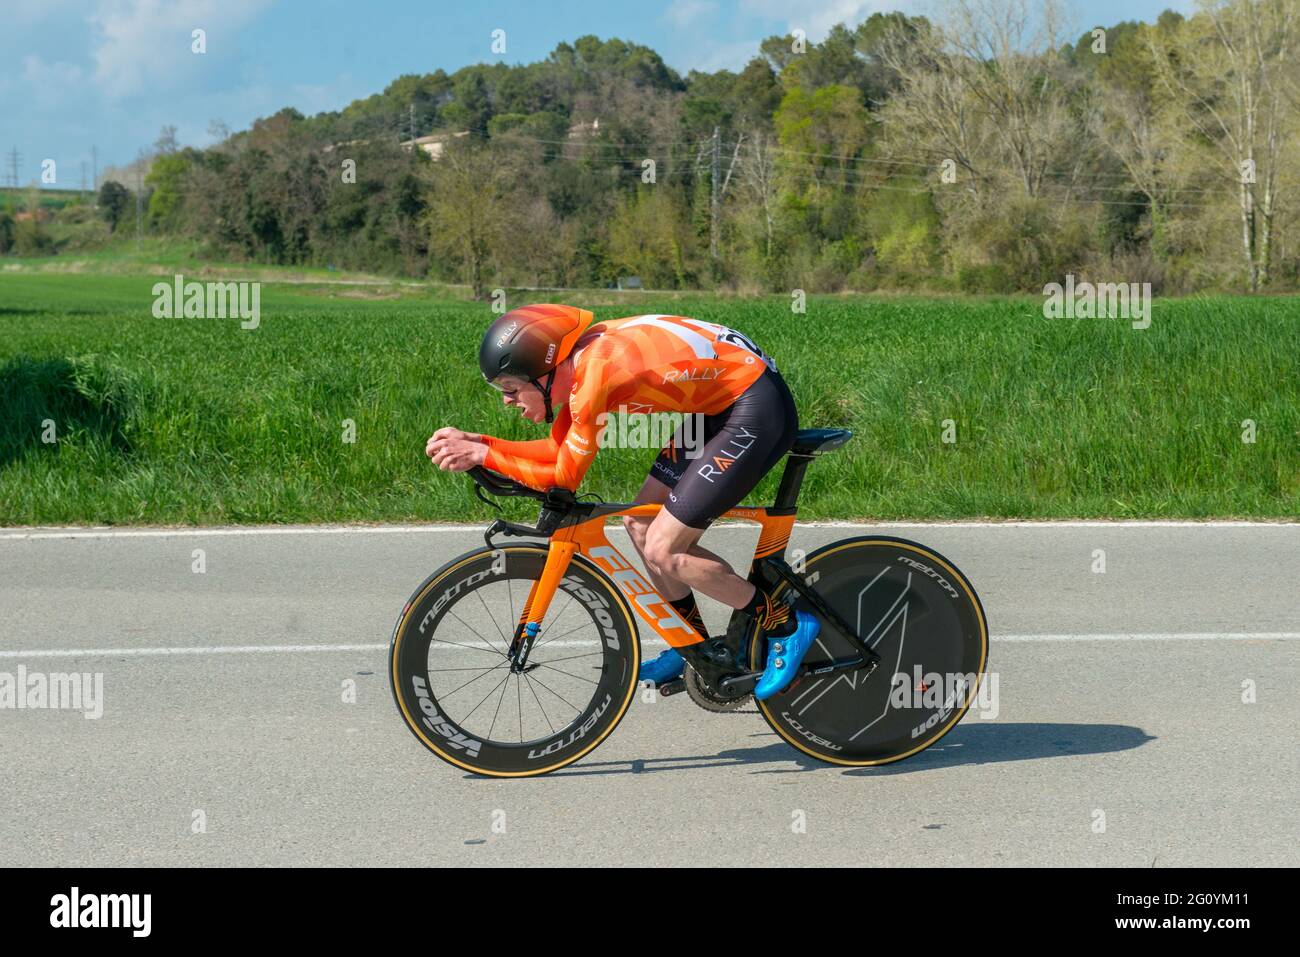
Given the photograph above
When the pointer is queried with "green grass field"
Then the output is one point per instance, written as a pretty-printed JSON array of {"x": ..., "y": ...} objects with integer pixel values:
[
  {"x": 49, "y": 198},
  {"x": 164, "y": 421}
]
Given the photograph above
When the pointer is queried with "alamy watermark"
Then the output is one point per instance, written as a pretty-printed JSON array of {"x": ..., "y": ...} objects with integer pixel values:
[
  {"x": 56, "y": 691},
  {"x": 129, "y": 911},
  {"x": 941, "y": 692},
  {"x": 635, "y": 427},
  {"x": 208, "y": 300},
  {"x": 1103, "y": 300}
]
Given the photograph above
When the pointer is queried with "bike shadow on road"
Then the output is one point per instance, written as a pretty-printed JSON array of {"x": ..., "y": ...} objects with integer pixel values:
[
  {"x": 989, "y": 743},
  {"x": 964, "y": 745}
]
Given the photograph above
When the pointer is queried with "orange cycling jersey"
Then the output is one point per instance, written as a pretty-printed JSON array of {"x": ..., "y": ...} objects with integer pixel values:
[{"x": 639, "y": 364}]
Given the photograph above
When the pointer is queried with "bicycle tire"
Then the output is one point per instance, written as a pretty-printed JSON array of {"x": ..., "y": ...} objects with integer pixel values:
[
  {"x": 918, "y": 594},
  {"x": 433, "y": 606}
]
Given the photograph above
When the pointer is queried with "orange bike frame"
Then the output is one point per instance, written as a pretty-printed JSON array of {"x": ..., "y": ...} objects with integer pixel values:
[{"x": 588, "y": 538}]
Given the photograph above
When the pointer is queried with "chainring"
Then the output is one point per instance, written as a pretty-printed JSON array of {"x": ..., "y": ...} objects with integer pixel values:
[{"x": 710, "y": 700}]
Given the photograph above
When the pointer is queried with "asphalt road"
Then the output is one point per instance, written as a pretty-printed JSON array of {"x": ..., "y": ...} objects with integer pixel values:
[{"x": 1145, "y": 716}]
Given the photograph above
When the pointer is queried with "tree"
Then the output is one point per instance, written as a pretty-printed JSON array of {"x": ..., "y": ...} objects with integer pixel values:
[
  {"x": 1134, "y": 128},
  {"x": 824, "y": 125},
  {"x": 650, "y": 237},
  {"x": 758, "y": 185},
  {"x": 1229, "y": 73},
  {"x": 31, "y": 239},
  {"x": 471, "y": 108},
  {"x": 987, "y": 90},
  {"x": 114, "y": 200},
  {"x": 166, "y": 143},
  {"x": 469, "y": 210},
  {"x": 166, "y": 181},
  {"x": 755, "y": 95}
]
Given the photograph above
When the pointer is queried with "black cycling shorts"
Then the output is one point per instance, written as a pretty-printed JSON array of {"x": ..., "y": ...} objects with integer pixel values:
[{"x": 740, "y": 445}]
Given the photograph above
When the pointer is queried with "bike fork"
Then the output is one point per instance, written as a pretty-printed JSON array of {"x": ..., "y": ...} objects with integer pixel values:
[{"x": 558, "y": 556}]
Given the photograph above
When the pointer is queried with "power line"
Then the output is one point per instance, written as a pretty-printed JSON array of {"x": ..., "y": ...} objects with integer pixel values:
[
  {"x": 1059, "y": 186},
  {"x": 638, "y": 151}
]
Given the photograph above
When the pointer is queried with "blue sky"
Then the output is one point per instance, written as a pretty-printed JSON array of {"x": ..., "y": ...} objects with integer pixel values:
[{"x": 112, "y": 72}]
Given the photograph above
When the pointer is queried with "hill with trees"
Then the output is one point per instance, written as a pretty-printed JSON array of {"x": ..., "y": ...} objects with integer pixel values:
[{"x": 982, "y": 153}]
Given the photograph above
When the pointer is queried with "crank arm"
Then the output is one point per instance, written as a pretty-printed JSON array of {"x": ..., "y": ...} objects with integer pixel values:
[
  {"x": 745, "y": 682},
  {"x": 742, "y": 683},
  {"x": 856, "y": 663}
]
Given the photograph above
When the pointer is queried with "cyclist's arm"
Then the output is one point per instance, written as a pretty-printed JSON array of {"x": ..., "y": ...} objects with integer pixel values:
[
  {"x": 578, "y": 445},
  {"x": 575, "y": 455},
  {"x": 535, "y": 463},
  {"x": 538, "y": 475},
  {"x": 534, "y": 450}
]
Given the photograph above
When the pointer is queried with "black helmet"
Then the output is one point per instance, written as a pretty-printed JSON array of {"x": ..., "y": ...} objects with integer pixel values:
[{"x": 530, "y": 342}]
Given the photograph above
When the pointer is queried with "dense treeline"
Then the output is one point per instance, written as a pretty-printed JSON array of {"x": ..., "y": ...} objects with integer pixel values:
[{"x": 972, "y": 152}]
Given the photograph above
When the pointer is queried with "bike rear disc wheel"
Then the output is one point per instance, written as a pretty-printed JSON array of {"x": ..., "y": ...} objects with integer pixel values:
[
  {"x": 453, "y": 683},
  {"x": 920, "y": 614}
]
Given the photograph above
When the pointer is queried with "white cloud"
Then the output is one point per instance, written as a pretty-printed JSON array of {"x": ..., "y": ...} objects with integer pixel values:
[
  {"x": 142, "y": 44},
  {"x": 724, "y": 56},
  {"x": 816, "y": 17},
  {"x": 51, "y": 83},
  {"x": 684, "y": 13}
]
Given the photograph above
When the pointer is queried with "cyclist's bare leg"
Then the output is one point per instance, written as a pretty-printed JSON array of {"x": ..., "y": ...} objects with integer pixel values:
[
  {"x": 718, "y": 580},
  {"x": 672, "y": 554},
  {"x": 653, "y": 492}
]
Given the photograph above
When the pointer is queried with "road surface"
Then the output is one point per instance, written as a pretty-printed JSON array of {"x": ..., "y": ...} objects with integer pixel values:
[{"x": 1145, "y": 715}]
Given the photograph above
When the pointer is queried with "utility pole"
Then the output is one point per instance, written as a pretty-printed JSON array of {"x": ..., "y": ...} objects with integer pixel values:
[
  {"x": 15, "y": 163},
  {"x": 713, "y": 194},
  {"x": 139, "y": 200},
  {"x": 735, "y": 155},
  {"x": 412, "y": 106},
  {"x": 94, "y": 168}
]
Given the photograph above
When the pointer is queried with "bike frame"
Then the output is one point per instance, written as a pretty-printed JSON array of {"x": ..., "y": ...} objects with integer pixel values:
[
  {"x": 587, "y": 537},
  {"x": 581, "y": 530}
]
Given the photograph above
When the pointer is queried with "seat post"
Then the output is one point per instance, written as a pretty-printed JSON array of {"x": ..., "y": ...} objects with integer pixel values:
[{"x": 787, "y": 496}]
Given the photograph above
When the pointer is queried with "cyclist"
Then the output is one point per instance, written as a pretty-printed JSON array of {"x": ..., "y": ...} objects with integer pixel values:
[{"x": 543, "y": 356}]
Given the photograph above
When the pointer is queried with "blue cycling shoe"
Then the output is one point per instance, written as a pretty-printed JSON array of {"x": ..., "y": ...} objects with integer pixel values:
[
  {"x": 668, "y": 666},
  {"x": 785, "y": 654}
]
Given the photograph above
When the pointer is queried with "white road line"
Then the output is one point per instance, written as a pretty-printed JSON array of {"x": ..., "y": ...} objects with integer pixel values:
[
  {"x": 1163, "y": 636},
  {"x": 1068, "y": 523},
  {"x": 73, "y": 533},
  {"x": 67, "y": 533},
  {"x": 200, "y": 650},
  {"x": 383, "y": 646}
]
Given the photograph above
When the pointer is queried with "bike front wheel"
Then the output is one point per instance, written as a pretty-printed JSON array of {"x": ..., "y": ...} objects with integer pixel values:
[
  {"x": 920, "y": 614},
  {"x": 452, "y": 678}
]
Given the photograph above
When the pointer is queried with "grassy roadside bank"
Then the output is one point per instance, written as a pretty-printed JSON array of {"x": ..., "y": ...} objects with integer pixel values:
[{"x": 197, "y": 421}]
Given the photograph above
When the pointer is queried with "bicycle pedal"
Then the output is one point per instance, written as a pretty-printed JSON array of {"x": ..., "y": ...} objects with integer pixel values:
[{"x": 676, "y": 686}]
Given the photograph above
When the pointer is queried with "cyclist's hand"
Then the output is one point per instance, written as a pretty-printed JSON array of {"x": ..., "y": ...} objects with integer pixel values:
[
  {"x": 452, "y": 433},
  {"x": 456, "y": 455}
]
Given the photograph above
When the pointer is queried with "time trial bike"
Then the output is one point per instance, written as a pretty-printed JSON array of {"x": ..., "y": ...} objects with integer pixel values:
[{"x": 518, "y": 659}]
